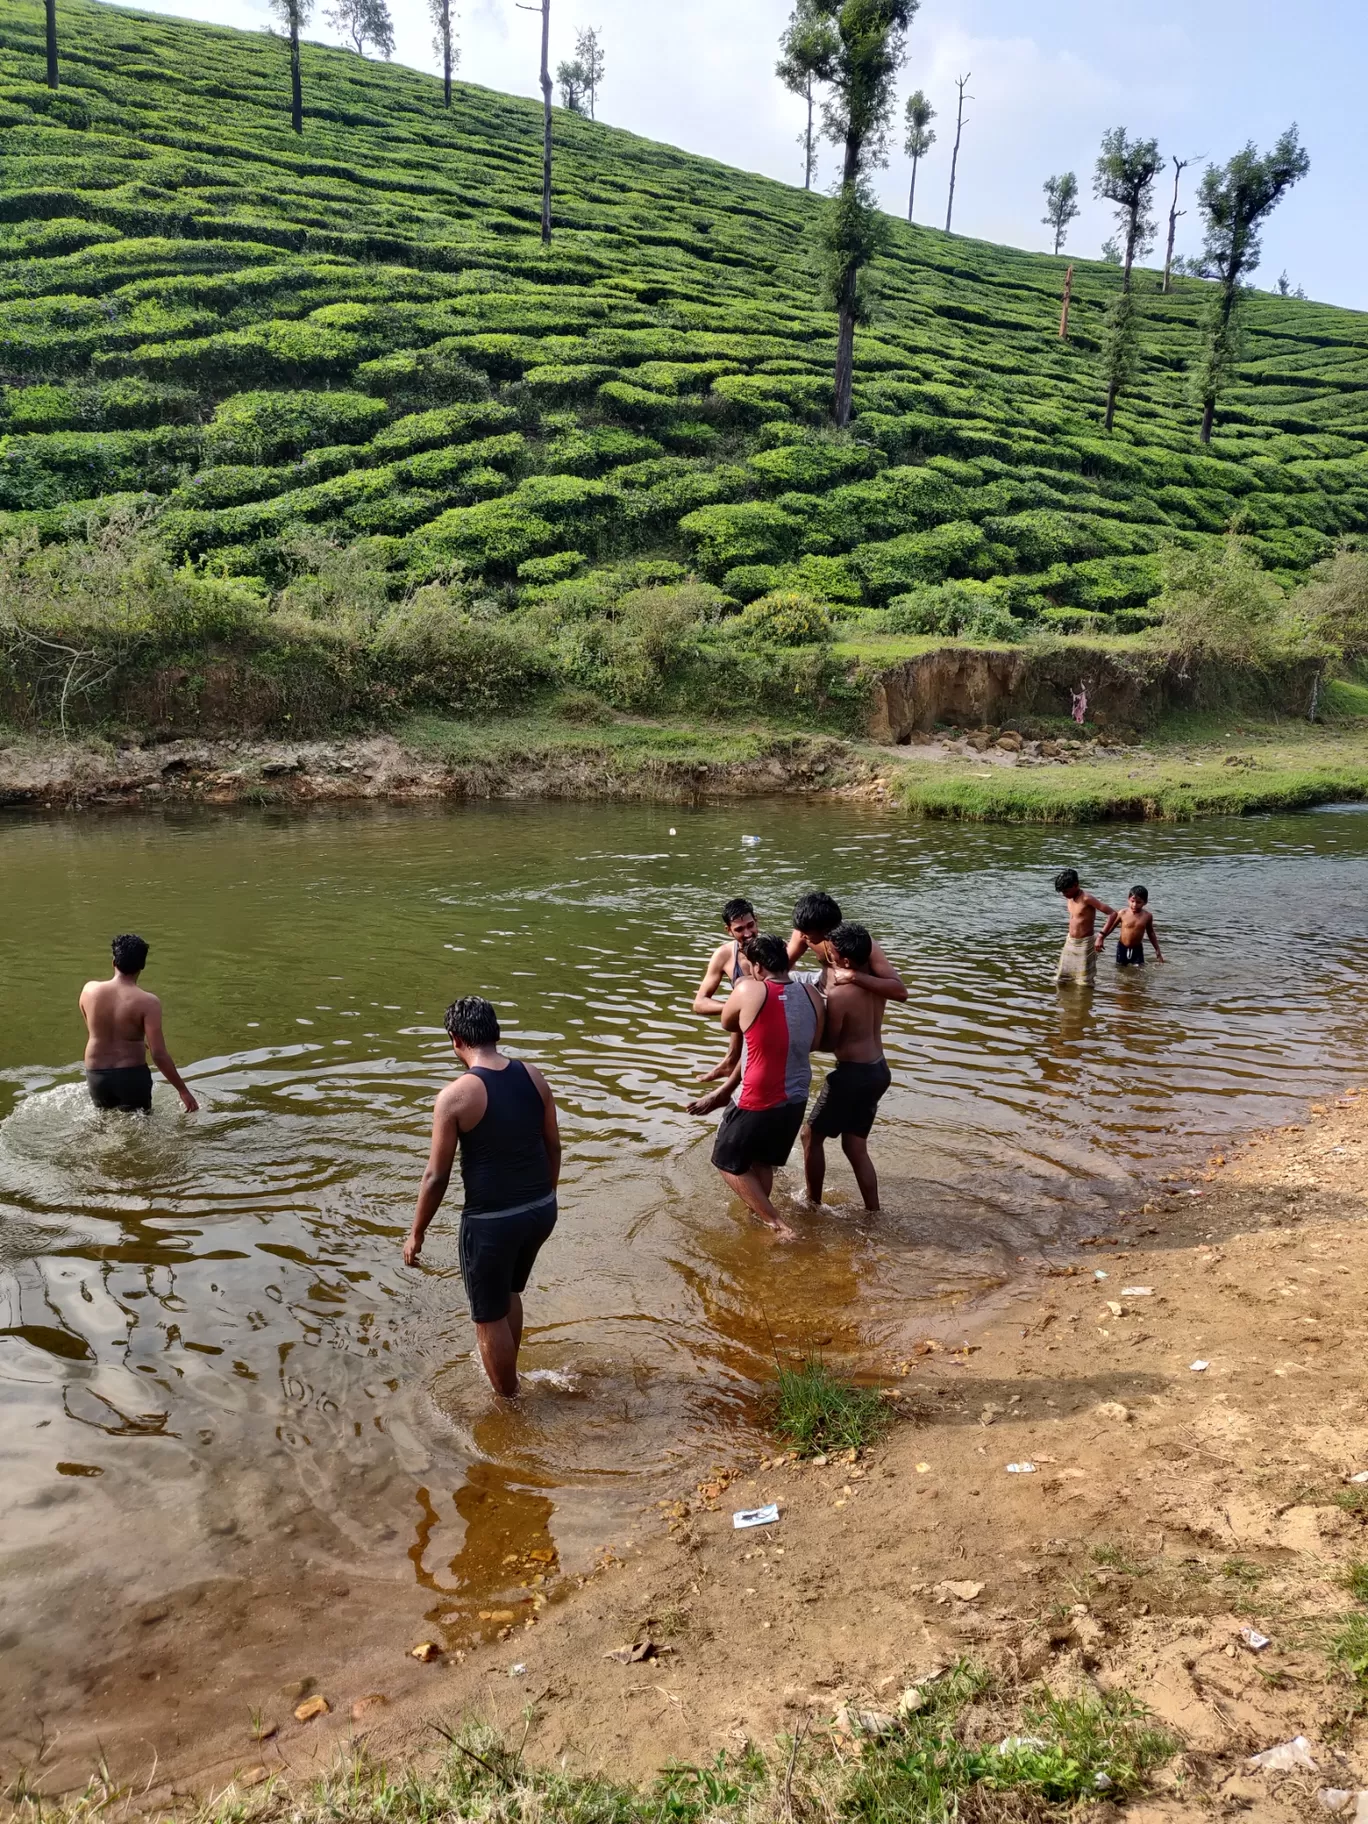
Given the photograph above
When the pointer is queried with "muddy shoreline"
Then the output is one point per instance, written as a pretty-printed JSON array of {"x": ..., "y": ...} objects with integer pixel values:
[{"x": 1168, "y": 1509}]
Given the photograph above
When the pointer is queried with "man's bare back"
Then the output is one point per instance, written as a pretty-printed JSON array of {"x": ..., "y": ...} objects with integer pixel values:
[
  {"x": 124, "y": 1025},
  {"x": 854, "y": 1026}
]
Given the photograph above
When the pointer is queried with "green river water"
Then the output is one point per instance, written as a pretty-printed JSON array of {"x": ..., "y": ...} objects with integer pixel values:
[{"x": 208, "y": 1341}]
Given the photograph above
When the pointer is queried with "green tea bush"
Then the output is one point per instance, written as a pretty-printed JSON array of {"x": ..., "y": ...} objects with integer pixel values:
[
  {"x": 1218, "y": 603},
  {"x": 436, "y": 653},
  {"x": 254, "y": 427},
  {"x": 785, "y": 618},
  {"x": 726, "y": 537},
  {"x": 972, "y": 610},
  {"x": 894, "y": 566},
  {"x": 748, "y": 582}
]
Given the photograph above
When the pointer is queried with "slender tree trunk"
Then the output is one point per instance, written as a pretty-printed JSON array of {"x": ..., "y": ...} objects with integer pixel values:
[
  {"x": 1173, "y": 232},
  {"x": 912, "y": 193},
  {"x": 847, "y": 302},
  {"x": 446, "y": 66},
  {"x": 807, "y": 165},
  {"x": 954, "y": 157},
  {"x": 1230, "y": 283},
  {"x": 1112, "y": 390},
  {"x": 1068, "y": 299},
  {"x": 1208, "y": 419},
  {"x": 51, "y": 43},
  {"x": 546, "y": 122},
  {"x": 296, "y": 86}
]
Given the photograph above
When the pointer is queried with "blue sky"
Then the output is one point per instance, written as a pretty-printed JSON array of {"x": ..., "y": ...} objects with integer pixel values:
[{"x": 1047, "y": 80}]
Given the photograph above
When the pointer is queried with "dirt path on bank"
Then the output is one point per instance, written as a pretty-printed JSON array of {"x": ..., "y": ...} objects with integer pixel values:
[{"x": 1170, "y": 1508}]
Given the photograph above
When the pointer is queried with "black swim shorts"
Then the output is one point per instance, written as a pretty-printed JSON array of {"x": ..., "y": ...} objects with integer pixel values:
[
  {"x": 849, "y": 1100},
  {"x": 756, "y": 1136},
  {"x": 1130, "y": 953},
  {"x": 129, "y": 1087},
  {"x": 498, "y": 1254}
]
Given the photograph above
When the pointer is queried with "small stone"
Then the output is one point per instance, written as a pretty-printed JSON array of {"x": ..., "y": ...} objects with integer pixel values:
[
  {"x": 426, "y": 1650},
  {"x": 373, "y": 1700},
  {"x": 310, "y": 1708}
]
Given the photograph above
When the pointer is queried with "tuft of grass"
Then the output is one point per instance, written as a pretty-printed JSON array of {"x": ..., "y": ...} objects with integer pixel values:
[
  {"x": 816, "y": 1410},
  {"x": 1354, "y": 1500},
  {"x": 1349, "y": 1647},
  {"x": 1117, "y": 1558},
  {"x": 1243, "y": 1570},
  {"x": 1355, "y": 1580}
]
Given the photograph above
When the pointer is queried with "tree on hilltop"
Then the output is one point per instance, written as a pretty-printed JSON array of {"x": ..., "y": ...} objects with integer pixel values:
[
  {"x": 573, "y": 85},
  {"x": 593, "y": 64},
  {"x": 1125, "y": 174},
  {"x": 444, "y": 43},
  {"x": 1179, "y": 166},
  {"x": 918, "y": 114},
  {"x": 293, "y": 16},
  {"x": 806, "y": 50},
  {"x": 364, "y": 22},
  {"x": 868, "y": 44},
  {"x": 1061, "y": 206},
  {"x": 1235, "y": 200},
  {"x": 960, "y": 82},
  {"x": 544, "y": 8}
]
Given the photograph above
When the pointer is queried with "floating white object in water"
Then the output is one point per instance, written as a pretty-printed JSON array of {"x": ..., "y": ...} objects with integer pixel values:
[
  {"x": 1021, "y": 1469},
  {"x": 756, "y": 1516},
  {"x": 1200, "y": 1367},
  {"x": 673, "y": 831},
  {"x": 751, "y": 842}
]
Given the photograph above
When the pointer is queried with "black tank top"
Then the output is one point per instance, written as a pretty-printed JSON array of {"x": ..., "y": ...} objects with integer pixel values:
[{"x": 504, "y": 1166}]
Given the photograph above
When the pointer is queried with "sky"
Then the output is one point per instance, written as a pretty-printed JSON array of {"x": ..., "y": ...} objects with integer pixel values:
[{"x": 1204, "y": 76}]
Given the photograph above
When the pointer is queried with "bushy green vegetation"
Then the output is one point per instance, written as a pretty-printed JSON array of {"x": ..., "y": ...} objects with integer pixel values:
[{"x": 346, "y": 354}]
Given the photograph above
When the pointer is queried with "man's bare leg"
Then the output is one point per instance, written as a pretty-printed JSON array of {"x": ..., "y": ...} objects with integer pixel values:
[
  {"x": 857, "y": 1151},
  {"x": 814, "y": 1164},
  {"x": 753, "y": 1188},
  {"x": 499, "y": 1345},
  {"x": 728, "y": 1064}
]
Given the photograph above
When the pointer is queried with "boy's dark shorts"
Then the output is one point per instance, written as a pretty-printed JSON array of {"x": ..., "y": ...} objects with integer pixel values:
[
  {"x": 849, "y": 1100},
  {"x": 498, "y": 1254},
  {"x": 757, "y": 1136},
  {"x": 1130, "y": 954}
]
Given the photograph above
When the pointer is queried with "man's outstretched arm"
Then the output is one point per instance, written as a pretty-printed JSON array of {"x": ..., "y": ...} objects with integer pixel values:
[
  {"x": 446, "y": 1131},
  {"x": 706, "y": 1001},
  {"x": 161, "y": 1057}
]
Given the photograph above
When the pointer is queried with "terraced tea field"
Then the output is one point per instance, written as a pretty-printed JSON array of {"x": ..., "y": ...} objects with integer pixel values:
[{"x": 356, "y": 338}]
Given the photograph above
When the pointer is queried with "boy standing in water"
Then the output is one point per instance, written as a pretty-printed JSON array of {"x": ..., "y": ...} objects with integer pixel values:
[
  {"x": 850, "y": 1097},
  {"x": 726, "y": 963},
  {"x": 1078, "y": 959},
  {"x": 502, "y": 1116},
  {"x": 1137, "y": 924},
  {"x": 780, "y": 1020},
  {"x": 815, "y": 917},
  {"x": 124, "y": 1023}
]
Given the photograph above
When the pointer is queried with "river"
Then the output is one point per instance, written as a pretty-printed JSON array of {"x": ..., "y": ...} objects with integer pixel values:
[{"x": 208, "y": 1341}]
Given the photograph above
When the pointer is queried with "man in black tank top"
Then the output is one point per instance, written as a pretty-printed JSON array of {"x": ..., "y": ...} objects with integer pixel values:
[{"x": 501, "y": 1116}]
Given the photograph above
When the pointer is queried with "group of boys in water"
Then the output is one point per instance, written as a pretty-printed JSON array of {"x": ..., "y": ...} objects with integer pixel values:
[{"x": 499, "y": 1115}]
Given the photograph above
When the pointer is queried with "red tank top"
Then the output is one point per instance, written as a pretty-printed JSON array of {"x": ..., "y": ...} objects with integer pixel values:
[{"x": 777, "y": 1048}]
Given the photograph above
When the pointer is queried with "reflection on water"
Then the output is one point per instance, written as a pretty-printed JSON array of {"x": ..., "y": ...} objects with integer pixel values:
[{"x": 207, "y": 1338}]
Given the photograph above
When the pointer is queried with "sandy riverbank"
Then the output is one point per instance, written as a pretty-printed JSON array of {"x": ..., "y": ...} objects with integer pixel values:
[{"x": 1169, "y": 1509}]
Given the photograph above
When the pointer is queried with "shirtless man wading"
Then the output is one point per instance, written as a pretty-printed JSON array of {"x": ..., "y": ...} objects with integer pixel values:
[
  {"x": 502, "y": 1117},
  {"x": 850, "y": 1097},
  {"x": 1078, "y": 959},
  {"x": 125, "y": 1024}
]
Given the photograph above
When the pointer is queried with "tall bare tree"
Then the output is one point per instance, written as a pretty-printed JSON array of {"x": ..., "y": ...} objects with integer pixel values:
[
  {"x": 919, "y": 114},
  {"x": 592, "y": 62},
  {"x": 1061, "y": 206},
  {"x": 50, "y": 26},
  {"x": 544, "y": 8},
  {"x": 1235, "y": 201},
  {"x": 1179, "y": 166},
  {"x": 960, "y": 82},
  {"x": 293, "y": 16},
  {"x": 805, "y": 50},
  {"x": 444, "y": 43}
]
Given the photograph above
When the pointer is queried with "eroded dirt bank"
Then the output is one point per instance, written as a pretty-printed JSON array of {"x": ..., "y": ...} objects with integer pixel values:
[{"x": 1170, "y": 1508}]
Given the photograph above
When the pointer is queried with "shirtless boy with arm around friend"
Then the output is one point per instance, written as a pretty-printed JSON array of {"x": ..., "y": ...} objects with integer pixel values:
[
  {"x": 850, "y": 1097},
  {"x": 1078, "y": 959},
  {"x": 1137, "y": 924}
]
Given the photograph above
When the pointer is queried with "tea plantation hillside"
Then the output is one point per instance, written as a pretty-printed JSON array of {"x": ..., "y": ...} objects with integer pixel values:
[{"x": 283, "y": 350}]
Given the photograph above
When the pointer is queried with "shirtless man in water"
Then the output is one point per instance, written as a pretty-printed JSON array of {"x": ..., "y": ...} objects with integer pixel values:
[
  {"x": 1078, "y": 959},
  {"x": 125, "y": 1023},
  {"x": 850, "y": 1097},
  {"x": 726, "y": 964}
]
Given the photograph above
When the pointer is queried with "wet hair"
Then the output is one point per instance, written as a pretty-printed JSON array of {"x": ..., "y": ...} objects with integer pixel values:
[
  {"x": 472, "y": 1022},
  {"x": 1140, "y": 893},
  {"x": 852, "y": 943},
  {"x": 767, "y": 953},
  {"x": 1066, "y": 880},
  {"x": 816, "y": 914},
  {"x": 736, "y": 908},
  {"x": 130, "y": 953}
]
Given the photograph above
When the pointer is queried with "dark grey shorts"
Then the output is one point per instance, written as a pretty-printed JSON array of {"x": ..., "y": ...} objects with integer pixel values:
[
  {"x": 849, "y": 1100},
  {"x": 498, "y": 1254},
  {"x": 756, "y": 1136},
  {"x": 129, "y": 1087}
]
